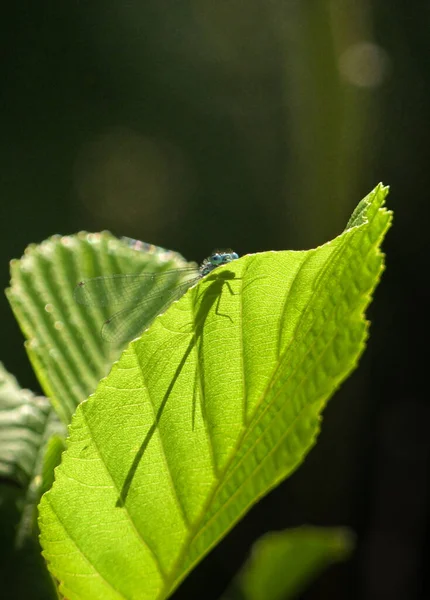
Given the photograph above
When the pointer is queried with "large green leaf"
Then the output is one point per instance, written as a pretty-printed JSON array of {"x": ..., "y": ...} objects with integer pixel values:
[
  {"x": 215, "y": 404},
  {"x": 282, "y": 563},
  {"x": 64, "y": 343}
]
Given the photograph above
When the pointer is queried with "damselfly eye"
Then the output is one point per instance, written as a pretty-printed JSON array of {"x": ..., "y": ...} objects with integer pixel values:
[
  {"x": 234, "y": 255},
  {"x": 216, "y": 259}
]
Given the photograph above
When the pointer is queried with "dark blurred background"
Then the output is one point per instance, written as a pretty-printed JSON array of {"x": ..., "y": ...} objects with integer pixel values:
[{"x": 258, "y": 125}]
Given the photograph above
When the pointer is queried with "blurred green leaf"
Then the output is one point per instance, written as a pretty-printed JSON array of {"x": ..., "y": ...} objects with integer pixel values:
[
  {"x": 49, "y": 457},
  {"x": 282, "y": 563},
  {"x": 64, "y": 343},
  {"x": 214, "y": 405},
  {"x": 26, "y": 423}
]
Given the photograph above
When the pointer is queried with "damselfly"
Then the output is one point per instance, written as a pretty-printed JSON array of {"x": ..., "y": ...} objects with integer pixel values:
[{"x": 142, "y": 296}]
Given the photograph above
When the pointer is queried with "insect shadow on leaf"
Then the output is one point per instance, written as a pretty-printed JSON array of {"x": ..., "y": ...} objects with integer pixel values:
[{"x": 210, "y": 296}]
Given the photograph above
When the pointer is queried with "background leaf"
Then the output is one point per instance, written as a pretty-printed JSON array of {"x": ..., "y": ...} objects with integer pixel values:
[
  {"x": 212, "y": 407},
  {"x": 26, "y": 423},
  {"x": 64, "y": 343},
  {"x": 28, "y": 426},
  {"x": 282, "y": 563}
]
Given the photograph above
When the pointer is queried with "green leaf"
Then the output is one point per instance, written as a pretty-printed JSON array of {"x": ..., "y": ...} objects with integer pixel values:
[
  {"x": 49, "y": 457},
  {"x": 215, "y": 404},
  {"x": 26, "y": 423},
  {"x": 283, "y": 563},
  {"x": 64, "y": 343}
]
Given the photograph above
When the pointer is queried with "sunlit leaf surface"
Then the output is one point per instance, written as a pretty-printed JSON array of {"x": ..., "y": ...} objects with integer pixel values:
[{"x": 216, "y": 403}]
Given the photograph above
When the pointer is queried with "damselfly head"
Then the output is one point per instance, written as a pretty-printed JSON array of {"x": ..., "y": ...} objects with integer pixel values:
[{"x": 216, "y": 259}]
